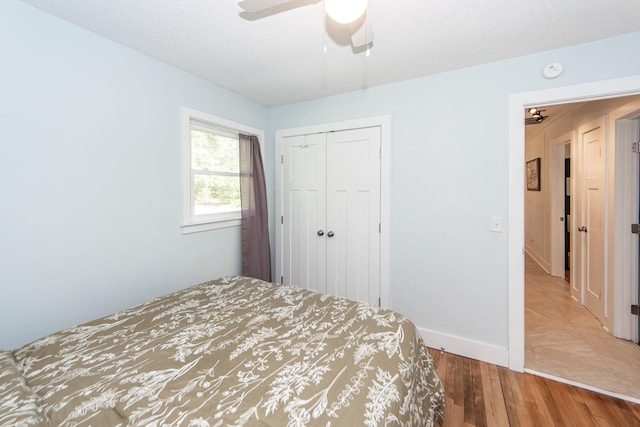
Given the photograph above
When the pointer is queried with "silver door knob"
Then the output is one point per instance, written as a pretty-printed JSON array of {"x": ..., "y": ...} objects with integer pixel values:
[
  {"x": 320, "y": 232},
  {"x": 330, "y": 234}
]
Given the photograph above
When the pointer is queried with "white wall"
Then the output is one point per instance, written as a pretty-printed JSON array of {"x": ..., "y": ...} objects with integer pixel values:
[
  {"x": 536, "y": 224},
  {"x": 90, "y": 193},
  {"x": 449, "y": 174}
]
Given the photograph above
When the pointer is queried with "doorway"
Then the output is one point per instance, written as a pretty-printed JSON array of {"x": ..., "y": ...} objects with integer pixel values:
[
  {"x": 517, "y": 104},
  {"x": 564, "y": 338},
  {"x": 560, "y": 202},
  {"x": 567, "y": 213}
]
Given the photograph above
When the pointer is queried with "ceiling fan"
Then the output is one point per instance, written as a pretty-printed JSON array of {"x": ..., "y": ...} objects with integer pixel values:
[{"x": 350, "y": 13}]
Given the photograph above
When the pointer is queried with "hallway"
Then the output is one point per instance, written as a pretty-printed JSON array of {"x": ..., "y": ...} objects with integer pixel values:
[{"x": 565, "y": 340}]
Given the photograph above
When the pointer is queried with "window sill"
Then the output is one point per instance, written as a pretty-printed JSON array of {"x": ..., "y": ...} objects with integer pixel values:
[{"x": 196, "y": 227}]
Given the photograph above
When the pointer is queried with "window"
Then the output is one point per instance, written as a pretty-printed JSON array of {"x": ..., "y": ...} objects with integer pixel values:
[
  {"x": 215, "y": 172},
  {"x": 211, "y": 171}
]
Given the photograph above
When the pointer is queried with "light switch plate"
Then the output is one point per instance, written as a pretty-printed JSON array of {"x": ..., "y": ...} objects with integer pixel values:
[{"x": 496, "y": 224}]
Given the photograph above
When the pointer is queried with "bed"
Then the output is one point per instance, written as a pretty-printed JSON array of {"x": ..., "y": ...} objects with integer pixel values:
[{"x": 235, "y": 351}]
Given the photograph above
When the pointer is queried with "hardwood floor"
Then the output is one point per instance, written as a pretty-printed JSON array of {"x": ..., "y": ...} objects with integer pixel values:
[{"x": 481, "y": 394}]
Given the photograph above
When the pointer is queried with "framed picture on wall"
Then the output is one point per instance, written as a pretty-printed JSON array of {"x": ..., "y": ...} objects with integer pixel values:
[{"x": 533, "y": 175}]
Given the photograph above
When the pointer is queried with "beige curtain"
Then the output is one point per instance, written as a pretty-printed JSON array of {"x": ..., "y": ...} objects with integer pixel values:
[{"x": 256, "y": 252}]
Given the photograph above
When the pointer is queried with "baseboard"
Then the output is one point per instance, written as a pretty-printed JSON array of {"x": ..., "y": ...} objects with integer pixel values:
[
  {"x": 465, "y": 347},
  {"x": 539, "y": 260}
]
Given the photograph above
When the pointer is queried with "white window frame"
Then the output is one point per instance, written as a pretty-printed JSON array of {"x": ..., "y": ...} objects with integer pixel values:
[{"x": 191, "y": 223}]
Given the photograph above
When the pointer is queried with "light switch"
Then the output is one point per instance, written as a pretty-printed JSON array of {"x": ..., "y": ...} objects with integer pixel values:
[{"x": 496, "y": 224}]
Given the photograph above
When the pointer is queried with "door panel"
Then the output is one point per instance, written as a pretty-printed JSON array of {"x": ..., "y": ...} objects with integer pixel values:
[
  {"x": 337, "y": 270},
  {"x": 304, "y": 195},
  {"x": 593, "y": 219},
  {"x": 353, "y": 214}
]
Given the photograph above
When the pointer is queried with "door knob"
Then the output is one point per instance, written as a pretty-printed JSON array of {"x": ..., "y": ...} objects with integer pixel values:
[
  {"x": 320, "y": 232},
  {"x": 583, "y": 228},
  {"x": 330, "y": 234}
]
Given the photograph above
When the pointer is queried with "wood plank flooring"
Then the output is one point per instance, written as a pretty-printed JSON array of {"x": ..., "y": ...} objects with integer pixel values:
[{"x": 481, "y": 394}]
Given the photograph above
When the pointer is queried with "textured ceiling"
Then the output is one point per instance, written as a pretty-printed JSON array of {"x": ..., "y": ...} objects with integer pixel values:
[{"x": 278, "y": 58}]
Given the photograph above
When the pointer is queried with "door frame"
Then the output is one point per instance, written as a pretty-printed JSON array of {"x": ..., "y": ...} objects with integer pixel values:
[
  {"x": 557, "y": 180},
  {"x": 517, "y": 104},
  {"x": 384, "y": 122}
]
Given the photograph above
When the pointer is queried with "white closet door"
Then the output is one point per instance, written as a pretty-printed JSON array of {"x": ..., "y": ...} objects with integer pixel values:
[
  {"x": 353, "y": 214},
  {"x": 304, "y": 211}
]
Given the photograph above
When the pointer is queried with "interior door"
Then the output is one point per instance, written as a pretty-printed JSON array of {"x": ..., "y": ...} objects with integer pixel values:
[
  {"x": 353, "y": 214},
  {"x": 304, "y": 211},
  {"x": 593, "y": 220}
]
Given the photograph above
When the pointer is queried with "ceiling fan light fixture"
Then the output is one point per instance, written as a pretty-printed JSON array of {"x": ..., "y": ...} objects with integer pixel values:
[{"x": 345, "y": 11}]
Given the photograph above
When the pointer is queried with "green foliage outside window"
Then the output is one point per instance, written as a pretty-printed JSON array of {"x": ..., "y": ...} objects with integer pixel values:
[{"x": 217, "y": 188}]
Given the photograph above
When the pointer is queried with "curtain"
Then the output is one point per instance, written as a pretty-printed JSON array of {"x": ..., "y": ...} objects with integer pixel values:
[{"x": 256, "y": 252}]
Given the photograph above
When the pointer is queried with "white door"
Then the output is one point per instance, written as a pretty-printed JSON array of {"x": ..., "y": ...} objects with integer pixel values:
[
  {"x": 331, "y": 213},
  {"x": 304, "y": 213},
  {"x": 353, "y": 214},
  {"x": 593, "y": 220}
]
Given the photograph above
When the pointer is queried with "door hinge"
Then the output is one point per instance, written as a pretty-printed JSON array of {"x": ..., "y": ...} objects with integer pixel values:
[
  {"x": 281, "y": 280},
  {"x": 281, "y": 158},
  {"x": 379, "y": 302},
  {"x": 635, "y": 147},
  {"x": 635, "y": 228},
  {"x": 379, "y": 228},
  {"x": 635, "y": 309},
  {"x": 281, "y": 219}
]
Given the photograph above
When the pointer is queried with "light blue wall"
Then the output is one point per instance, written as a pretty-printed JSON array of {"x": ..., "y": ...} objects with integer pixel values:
[
  {"x": 90, "y": 177},
  {"x": 90, "y": 193},
  {"x": 449, "y": 174}
]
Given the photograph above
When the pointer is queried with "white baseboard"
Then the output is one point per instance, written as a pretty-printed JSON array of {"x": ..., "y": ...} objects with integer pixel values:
[
  {"x": 468, "y": 348},
  {"x": 539, "y": 260}
]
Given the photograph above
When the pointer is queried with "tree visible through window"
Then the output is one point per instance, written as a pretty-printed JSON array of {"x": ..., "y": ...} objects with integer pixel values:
[{"x": 215, "y": 172}]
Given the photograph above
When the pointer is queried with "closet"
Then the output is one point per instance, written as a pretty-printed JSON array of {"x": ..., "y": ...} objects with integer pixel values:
[{"x": 329, "y": 209}]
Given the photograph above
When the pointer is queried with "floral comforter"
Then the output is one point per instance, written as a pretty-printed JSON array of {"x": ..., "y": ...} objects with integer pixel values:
[{"x": 231, "y": 352}]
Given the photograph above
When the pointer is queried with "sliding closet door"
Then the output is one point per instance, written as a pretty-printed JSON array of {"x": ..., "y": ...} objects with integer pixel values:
[
  {"x": 353, "y": 214},
  {"x": 304, "y": 211}
]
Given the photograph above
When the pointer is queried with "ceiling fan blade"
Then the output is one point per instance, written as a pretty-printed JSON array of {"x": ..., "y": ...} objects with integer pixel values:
[
  {"x": 361, "y": 32},
  {"x": 259, "y": 5}
]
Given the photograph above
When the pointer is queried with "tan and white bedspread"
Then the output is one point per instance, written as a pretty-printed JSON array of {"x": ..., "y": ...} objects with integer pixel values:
[{"x": 233, "y": 352}]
